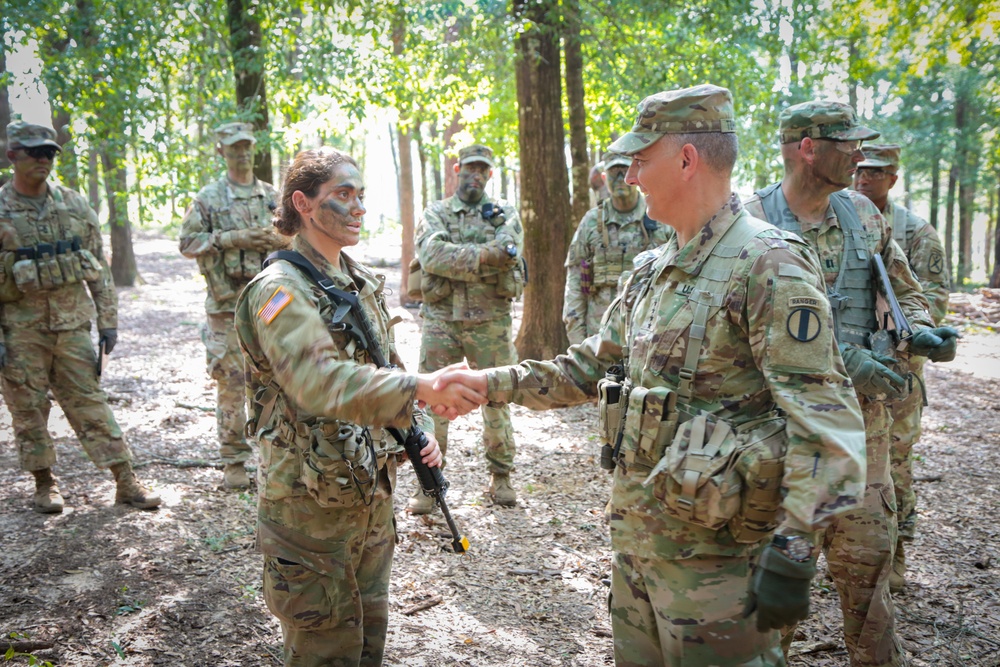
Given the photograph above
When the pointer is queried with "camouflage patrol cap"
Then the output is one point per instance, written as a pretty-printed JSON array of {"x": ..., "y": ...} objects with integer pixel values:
[
  {"x": 229, "y": 133},
  {"x": 27, "y": 135},
  {"x": 611, "y": 159},
  {"x": 884, "y": 156},
  {"x": 822, "y": 119},
  {"x": 475, "y": 153},
  {"x": 704, "y": 108}
]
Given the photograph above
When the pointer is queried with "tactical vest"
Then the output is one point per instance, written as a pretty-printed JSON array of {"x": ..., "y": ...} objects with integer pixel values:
[
  {"x": 37, "y": 265},
  {"x": 509, "y": 283},
  {"x": 238, "y": 265},
  {"x": 611, "y": 257},
  {"x": 904, "y": 226},
  {"x": 852, "y": 296}
]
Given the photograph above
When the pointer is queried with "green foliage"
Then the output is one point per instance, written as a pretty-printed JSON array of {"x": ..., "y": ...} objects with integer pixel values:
[{"x": 11, "y": 654}]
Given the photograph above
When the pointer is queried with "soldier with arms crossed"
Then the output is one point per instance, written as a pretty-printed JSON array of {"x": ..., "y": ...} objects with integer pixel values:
[
  {"x": 724, "y": 340},
  {"x": 50, "y": 247},
  {"x": 469, "y": 248},
  {"x": 922, "y": 246},
  {"x": 227, "y": 230},
  {"x": 821, "y": 147},
  {"x": 603, "y": 247},
  {"x": 318, "y": 412}
]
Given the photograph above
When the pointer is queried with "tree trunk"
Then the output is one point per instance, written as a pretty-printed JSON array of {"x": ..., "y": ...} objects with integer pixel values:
[
  {"x": 995, "y": 279},
  {"x": 577, "y": 115},
  {"x": 949, "y": 224},
  {"x": 4, "y": 112},
  {"x": 62, "y": 123},
  {"x": 450, "y": 156},
  {"x": 907, "y": 190},
  {"x": 967, "y": 164},
  {"x": 936, "y": 185},
  {"x": 545, "y": 206},
  {"x": 123, "y": 267},
  {"x": 988, "y": 237},
  {"x": 422, "y": 158},
  {"x": 248, "y": 68},
  {"x": 436, "y": 156},
  {"x": 93, "y": 181},
  {"x": 406, "y": 212}
]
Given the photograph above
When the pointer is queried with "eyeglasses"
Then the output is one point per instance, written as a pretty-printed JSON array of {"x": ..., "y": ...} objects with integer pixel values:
[
  {"x": 845, "y": 147},
  {"x": 870, "y": 174},
  {"x": 39, "y": 152}
]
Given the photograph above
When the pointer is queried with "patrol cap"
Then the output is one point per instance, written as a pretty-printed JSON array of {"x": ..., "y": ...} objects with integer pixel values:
[
  {"x": 229, "y": 133},
  {"x": 885, "y": 156},
  {"x": 27, "y": 135},
  {"x": 704, "y": 108},
  {"x": 610, "y": 159},
  {"x": 822, "y": 119},
  {"x": 475, "y": 153}
]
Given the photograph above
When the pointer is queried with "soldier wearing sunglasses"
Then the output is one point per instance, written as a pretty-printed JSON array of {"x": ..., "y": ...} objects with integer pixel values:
[{"x": 50, "y": 249}]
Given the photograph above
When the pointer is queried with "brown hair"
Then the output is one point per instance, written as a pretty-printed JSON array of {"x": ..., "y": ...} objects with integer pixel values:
[{"x": 308, "y": 171}]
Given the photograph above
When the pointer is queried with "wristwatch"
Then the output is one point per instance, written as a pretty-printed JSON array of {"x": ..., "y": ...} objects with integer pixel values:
[{"x": 797, "y": 548}]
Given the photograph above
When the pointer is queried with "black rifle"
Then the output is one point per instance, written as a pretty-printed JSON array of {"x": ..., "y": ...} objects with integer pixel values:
[
  {"x": 891, "y": 318},
  {"x": 350, "y": 319}
]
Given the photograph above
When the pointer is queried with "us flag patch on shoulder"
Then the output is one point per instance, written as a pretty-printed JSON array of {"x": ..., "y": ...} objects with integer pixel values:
[{"x": 274, "y": 305}]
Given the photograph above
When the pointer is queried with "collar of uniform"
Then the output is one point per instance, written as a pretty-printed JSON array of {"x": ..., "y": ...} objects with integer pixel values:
[
  {"x": 342, "y": 279},
  {"x": 258, "y": 190},
  {"x": 625, "y": 217},
  {"x": 459, "y": 206},
  {"x": 18, "y": 202},
  {"x": 691, "y": 257}
]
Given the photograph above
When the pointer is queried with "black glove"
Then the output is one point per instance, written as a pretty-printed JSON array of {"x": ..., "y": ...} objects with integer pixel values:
[
  {"x": 109, "y": 337},
  {"x": 938, "y": 344},
  {"x": 870, "y": 373},
  {"x": 779, "y": 590},
  {"x": 3, "y": 355}
]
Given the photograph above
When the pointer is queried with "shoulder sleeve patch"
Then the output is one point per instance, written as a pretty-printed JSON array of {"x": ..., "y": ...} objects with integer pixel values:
[{"x": 275, "y": 305}]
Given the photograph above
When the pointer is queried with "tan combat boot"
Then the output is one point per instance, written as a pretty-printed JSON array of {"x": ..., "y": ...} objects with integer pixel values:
[
  {"x": 48, "y": 500},
  {"x": 897, "y": 577},
  {"x": 502, "y": 492},
  {"x": 234, "y": 476},
  {"x": 419, "y": 503},
  {"x": 129, "y": 491}
]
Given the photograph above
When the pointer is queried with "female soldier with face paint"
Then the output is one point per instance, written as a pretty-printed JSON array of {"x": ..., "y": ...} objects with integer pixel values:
[{"x": 317, "y": 409}]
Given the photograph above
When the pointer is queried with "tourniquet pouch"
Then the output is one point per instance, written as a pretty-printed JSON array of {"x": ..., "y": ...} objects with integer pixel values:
[
  {"x": 611, "y": 408},
  {"x": 8, "y": 288},
  {"x": 232, "y": 263},
  {"x": 761, "y": 466},
  {"x": 251, "y": 264},
  {"x": 69, "y": 264},
  {"x": 89, "y": 265},
  {"x": 25, "y": 273},
  {"x": 650, "y": 422},
  {"x": 340, "y": 465},
  {"x": 434, "y": 288},
  {"x": 413, "y": 280},
  {"x": 696, "y": 479}
]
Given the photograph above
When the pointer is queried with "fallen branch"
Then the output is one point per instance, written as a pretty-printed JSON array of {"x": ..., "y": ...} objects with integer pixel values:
[
  {"x": 928, "y": 478},
  {"x": 25, "y": 646},
  {"x": 813, "y": 647},
  {"x": 189, "y": 406},
  {"x": 432, "y": 601}
]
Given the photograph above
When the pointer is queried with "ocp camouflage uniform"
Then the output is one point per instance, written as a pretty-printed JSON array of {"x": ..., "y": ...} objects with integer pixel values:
[
  {"x": 679, "y": 587},
  {"x": 46, "y": 325},
  {"x": 859, "y": 544},
  {"x": 925, "y": 253},
  {"x": 600, "y": 253},
  {"x": 327, "y": 535},
  {"x": 467, "y": 305},
  {"x": 219, "y": 207}
]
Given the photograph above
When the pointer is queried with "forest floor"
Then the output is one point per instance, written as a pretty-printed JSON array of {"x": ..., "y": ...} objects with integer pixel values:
[{"x": 102, "y": 584}]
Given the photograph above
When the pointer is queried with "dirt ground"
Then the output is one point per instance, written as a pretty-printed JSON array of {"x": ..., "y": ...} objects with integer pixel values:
[{"x": 106, "y": 585}]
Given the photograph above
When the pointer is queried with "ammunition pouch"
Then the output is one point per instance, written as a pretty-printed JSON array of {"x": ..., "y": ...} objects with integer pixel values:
[
  {"x": 340, "y": 467},
  {"x": 650, "y": 423},
  {"x": 434, "y": 288},
  {"x": 9, "y": 292}
]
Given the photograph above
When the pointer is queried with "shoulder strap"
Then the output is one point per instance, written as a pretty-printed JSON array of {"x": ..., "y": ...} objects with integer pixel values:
[{"x": 602, "y": 222}]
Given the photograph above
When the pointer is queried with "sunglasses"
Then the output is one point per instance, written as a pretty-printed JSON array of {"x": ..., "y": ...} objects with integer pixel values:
[
  {"x": 845, "y": 147},
  {"x": 869, "y": 174},
  {"x": 39, "y": 152}
]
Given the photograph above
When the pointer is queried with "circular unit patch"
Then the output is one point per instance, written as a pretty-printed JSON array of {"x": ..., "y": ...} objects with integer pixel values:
[{"x": 803, "y": 324}]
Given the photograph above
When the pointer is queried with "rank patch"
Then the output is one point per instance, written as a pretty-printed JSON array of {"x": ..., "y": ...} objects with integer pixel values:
[
  {"x": 803, "y": 325},
  {"x": 274, "y": 305},
  {"x": 936, "y": 263},
  {"x": 803, "y": 302}
]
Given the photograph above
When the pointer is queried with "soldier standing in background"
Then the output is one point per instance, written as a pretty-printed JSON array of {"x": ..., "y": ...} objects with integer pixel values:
[
  {"x": 50, "y": 247},
  {"x": 725, "y": 337},
  {"x": 227, "y": 230},
  {"x": 821, "y": 146},
  {"x": 922, "y": 246},
  {"x": 603, "y": 247},
  {"x": 469, "y": 248}
]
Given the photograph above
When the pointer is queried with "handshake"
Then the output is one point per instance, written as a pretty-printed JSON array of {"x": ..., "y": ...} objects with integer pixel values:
[
  {"x": 453, "y": 391},
  {"x": 259, "y": 239}
]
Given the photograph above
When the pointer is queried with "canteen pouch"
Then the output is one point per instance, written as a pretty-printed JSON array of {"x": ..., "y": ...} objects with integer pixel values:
[
  {"x": 232, "y": 263},
  {"x": 650, "y": 423},
  {"x": 251, "y": 264},
  {"x": 413, "y": 280},
  {"x": 761, "y": 466},
  {"x": 25, "y": 273},
  {"x": 340, "y": 467},
  {"x": 8, "y": 288},
  {"x": 696, "y": 479},
  {"x": 611, "y": 404},
  {"x": 89, "y": 265}
]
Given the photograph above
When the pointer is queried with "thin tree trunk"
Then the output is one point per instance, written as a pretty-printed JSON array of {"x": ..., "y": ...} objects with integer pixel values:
[
  {"x": 949, "y": 224},
  {"x": 450, "y": 156},
  {"x": 907, "y": 190},
  {"x": 93, "y": 180},
  {"x": 995, "y": 279},
  {"x": 988, "y": 237},
  {"x": 967, "y": 164},
  {"x": 123, "y": 267},
  {"x": 422, "y": 157},
  {"x": 545, "y": 205},
  {"x": 62, "y": 123},
  {"x": 936, "y": 185},
  {"x": 4, "y": 111},
  {"x": 406, "y": 212},
  {"x": 577, "y": 114},
  {"x": 436, "y": 157},
  {"x": 251, "y": 86}
]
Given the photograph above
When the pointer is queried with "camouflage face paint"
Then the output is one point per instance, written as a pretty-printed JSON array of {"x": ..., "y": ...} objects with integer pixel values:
[
  {"x": 472, "y": 179},
  {"x": 340, "y": 207}
]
